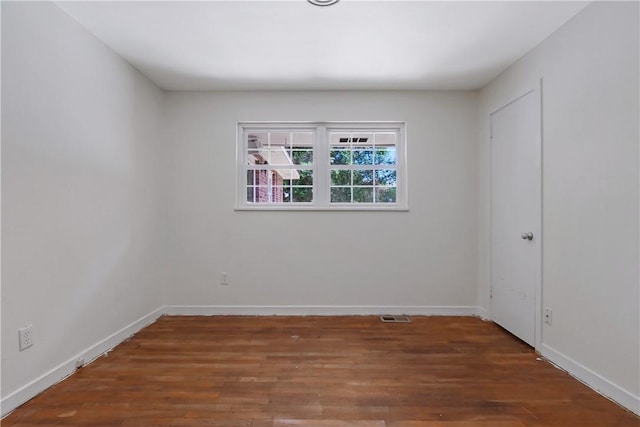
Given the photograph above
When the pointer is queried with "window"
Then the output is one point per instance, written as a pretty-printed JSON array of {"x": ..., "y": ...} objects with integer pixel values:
[{"x": 321, "y": 166}]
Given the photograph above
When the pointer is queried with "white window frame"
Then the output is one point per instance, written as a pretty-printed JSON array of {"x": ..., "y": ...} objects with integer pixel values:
[{"x": 321, "y": 164}]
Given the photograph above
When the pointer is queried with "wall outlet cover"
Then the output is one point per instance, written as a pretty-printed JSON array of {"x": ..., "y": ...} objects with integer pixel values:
[{"x": 25, "y": 336}]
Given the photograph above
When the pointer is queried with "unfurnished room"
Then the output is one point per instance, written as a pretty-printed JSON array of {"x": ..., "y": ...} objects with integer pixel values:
[{"x": 322, "y": 213}]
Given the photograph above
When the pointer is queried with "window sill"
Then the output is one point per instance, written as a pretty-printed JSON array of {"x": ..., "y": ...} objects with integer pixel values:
[{"x": 323, "y": 209}]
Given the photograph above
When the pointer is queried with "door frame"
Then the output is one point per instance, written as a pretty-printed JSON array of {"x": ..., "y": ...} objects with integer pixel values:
[{"x": 536, "y": 88}]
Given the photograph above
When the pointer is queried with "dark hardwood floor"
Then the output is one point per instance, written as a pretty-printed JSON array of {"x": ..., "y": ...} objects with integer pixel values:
[{"x": 321, "y": 372}]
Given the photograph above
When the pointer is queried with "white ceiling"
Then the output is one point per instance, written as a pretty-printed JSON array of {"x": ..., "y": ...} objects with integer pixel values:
[{"x": 355, "y": 44}]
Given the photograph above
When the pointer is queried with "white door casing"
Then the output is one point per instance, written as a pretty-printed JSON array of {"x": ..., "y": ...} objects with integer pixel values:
[{"x": 516, "y": 198}]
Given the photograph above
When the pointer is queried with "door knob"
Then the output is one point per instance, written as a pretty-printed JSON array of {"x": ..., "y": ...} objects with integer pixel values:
[{"x": 527, "y": 236}]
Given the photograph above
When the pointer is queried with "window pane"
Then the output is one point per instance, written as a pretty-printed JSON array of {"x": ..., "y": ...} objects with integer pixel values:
[
  {"x": 362, "y": 177},
  {"x": 295, "y": 194},
  {"x": 385, "y": 139},
  {"x": 277, "y": 155},
  {"x": 362, "y": 138},
  {"x": 254, "y": 157},
  {"x": 277, "y": 194},
  {"x": 280, "y": 139},
  {"x": 340, "y": 156},
  {"x": 386, "y": 177},
  {"x": 296, "y": 177},
  {"x": 336, "y": 138},
  {"x": 386, "y": 195},
  {"x": 385, "y": 155},
  {"x": 258, "y": 177},
  {"x": 258, "y": 194},
  {"x": 306, "y": 178},
  {"x": 257, "y": 148},
  {"x": 302, "y": 194},
  {"x": 256, "y": 140},
  {"x": 300, "y": 157},
  {"x": 362, "y": 195},
  {"x": 340, "y": 195},
  {"x": 340, "y": 177},
  {"x": 362, "y": 155},
  {"x": 302, "y": 140}
]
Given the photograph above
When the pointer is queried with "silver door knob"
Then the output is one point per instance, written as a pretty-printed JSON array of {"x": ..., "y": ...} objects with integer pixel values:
[{"x": 527, "y": 236}]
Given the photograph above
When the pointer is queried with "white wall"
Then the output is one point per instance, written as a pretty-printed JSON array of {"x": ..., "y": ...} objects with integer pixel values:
[
  {"x": 590, "y": 193},
  {"x": 80, "y": 191},
  {"x": 422, "y": 258}
]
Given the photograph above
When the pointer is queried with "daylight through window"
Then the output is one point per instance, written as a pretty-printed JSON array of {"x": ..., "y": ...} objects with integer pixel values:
[{"x": 321, "y": 166}]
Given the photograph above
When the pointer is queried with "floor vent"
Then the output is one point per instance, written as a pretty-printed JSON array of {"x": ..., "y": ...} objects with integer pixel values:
[{"x": 395, "y": 319}]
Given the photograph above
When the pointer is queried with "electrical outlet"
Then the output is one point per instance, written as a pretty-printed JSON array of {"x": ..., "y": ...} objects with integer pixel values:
[
  {"x": 26, "y": 337},
  {"x": 548, "y": 315},
  {"x": 224, "y": 278}
]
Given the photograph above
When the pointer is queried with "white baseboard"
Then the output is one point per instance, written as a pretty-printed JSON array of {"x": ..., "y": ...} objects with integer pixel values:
[
  {"x": 314, "y": 310},
  {"x": 482, "y": 313},
  {"x": 60, "y": 372},
  {"x": 593, "y": 380}
]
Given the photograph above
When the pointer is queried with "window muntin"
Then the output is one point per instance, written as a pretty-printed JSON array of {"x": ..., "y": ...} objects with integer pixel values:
[{"x": 321, "y": 166}]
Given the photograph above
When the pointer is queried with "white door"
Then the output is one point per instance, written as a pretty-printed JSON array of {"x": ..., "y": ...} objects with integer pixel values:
[{"x": 516, "y": 216}]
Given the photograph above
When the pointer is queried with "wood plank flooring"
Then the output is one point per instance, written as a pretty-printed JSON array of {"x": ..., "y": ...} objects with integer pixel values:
[{"x": 321, "y": 372}]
